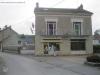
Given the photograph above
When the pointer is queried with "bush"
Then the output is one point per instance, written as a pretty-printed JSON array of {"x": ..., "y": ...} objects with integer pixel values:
[
  {"x": 93, "y": 58},
  {"x": 96, "y": 49}
]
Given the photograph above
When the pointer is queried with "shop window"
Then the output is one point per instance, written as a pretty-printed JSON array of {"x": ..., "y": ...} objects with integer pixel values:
[{"x": 77, "y": 44}]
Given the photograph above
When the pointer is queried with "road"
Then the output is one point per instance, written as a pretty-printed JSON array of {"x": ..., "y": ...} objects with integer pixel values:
[{"x": 20, "y": 65}]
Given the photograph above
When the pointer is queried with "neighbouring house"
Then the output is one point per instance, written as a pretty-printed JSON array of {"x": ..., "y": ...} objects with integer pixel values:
[
  {"x": 28, "y": 41},
  {"x": 64, "y": 31},
  {"x": 9, "y": 39}
]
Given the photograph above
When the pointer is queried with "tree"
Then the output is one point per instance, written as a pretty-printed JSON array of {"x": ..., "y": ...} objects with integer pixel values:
[
  {"x": 97, "y": 32},
  {"x": 32, "y": 28}
]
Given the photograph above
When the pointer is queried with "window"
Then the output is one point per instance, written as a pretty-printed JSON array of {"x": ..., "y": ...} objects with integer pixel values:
[
  {"x": 51, "y": 28},
  {"x": 77, "y": 44},
  {"x": 77, "y": 28},
  {"x": 55, "y": 45}
]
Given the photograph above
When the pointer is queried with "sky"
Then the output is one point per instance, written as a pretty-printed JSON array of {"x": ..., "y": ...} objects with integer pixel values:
[{"x": 20, "y": 13}]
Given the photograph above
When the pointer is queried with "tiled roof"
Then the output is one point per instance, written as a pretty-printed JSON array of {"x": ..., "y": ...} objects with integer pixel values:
[{"x": 27, "y": 38}]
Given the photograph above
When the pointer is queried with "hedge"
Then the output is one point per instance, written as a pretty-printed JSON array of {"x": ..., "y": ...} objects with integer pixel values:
[{"x": 96, "y": 49}]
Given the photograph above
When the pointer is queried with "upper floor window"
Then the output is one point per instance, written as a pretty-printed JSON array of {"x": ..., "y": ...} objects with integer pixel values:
[
  {"x": 51, "y": 28},
  {"x": 77, "y": 28}
]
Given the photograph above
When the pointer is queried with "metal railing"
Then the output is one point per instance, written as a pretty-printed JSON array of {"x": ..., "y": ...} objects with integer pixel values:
[{"x": 64, "y": 35}]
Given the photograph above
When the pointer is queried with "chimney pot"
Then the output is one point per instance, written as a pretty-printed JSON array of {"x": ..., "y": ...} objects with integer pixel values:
[
  {"x": 37, "y": 5},
  {"x": 80, "y": 7}
]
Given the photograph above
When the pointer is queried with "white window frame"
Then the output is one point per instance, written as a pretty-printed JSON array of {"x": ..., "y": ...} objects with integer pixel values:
[
  {"x": 51, "y": 20},
  {"x": 79, "y": 26},
  {"x": 54, "y": 29},
  {"x": 77, "y": 20}
]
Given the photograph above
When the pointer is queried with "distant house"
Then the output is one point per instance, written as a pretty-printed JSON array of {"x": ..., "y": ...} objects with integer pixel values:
[
  {"x": 28, "y": 41},
  {"x": 96, "y": 39},
  {"x": 65, "y": 31},
  {"x": 9, "y": 39}
]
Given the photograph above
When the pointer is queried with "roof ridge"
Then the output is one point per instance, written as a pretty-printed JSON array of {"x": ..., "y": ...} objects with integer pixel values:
[{"x": 63, "y": 10}]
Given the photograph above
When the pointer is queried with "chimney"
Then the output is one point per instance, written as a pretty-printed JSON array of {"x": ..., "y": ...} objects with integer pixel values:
[
  {"x": 80, "y": 7},
  {"x": 37, "y": 5}
]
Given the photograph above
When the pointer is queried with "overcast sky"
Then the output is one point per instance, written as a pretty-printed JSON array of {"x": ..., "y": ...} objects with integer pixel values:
[{"x": 20, "y": 14}]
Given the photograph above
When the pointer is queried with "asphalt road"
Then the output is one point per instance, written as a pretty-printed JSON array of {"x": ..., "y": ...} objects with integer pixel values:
[{"x": 20, "y": 65}]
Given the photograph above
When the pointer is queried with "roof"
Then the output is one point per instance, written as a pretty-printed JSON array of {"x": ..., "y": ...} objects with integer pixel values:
[
  {"x": 27, "y": 38},
  {"x": 62, "y": 10},
  {"x": 6, "y": 28},
  {"x": 7, "y": 32}
]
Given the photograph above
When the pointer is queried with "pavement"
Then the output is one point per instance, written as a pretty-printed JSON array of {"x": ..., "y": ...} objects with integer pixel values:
[
  {"x": 27, "y": 52},
  {"x": 30, "y": 65},
  {"x": 2, "y": 67}
]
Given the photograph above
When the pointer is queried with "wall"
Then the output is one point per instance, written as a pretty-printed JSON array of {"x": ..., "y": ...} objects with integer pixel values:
[
  {"x": 64, "y": 25},
  {"x": 11, "y": 40}
]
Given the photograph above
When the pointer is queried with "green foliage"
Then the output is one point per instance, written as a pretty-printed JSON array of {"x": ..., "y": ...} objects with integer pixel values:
[
  {"x": 93, "y": 58},
  {"x": 96, "y": 48}
]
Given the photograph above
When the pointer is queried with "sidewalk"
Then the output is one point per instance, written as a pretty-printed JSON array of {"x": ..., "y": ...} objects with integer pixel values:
[{"x": 2, "y": 67}]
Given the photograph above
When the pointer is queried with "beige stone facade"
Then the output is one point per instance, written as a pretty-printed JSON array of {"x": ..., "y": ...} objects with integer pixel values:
[{"x": 61, "y": 24}]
